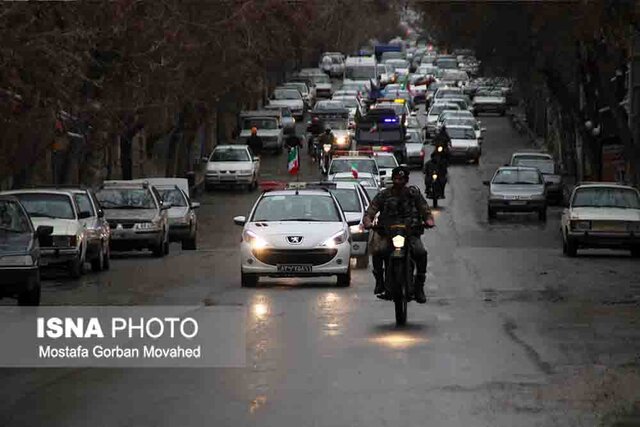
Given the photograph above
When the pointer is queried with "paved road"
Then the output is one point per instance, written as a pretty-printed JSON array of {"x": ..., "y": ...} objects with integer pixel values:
[{"x": 514, "y": 333}]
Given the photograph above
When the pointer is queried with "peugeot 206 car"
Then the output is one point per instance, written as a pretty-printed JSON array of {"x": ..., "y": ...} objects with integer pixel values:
[
  {"x": 299, "y": 233},
  {"x": 517, "y": 189},
  {"x": 602, "y": 215}
]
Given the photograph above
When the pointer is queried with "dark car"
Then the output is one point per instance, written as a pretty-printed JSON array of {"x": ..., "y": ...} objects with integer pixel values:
[{"x": 19, "y": 253}]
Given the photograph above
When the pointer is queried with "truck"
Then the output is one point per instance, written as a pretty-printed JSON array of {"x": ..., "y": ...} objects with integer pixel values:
[
  {"x": 269, "y": 127},
  {"x": 381, "y": 130}
]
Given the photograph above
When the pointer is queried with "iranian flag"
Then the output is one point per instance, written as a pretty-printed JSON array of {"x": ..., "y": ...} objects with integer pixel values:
[
  {"x": 354, "y": 170},
  {"x": 294, "y": 161},
  {"x": 374, "y": 128}
]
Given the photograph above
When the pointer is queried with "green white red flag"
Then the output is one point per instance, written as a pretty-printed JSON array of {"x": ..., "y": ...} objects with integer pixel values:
[
  {"x": 293, "y": 164},
  {"x": 354, "y": 170}
]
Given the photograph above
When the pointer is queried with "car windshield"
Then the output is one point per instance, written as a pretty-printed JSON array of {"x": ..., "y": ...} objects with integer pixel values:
[
  {"x": 546, "y": 166},
  {"x": 286, "y": 94},
  {"x": 301, "y": 87},
  {"x": 268, "y": 124},
  {"x": 391, "y": 55},
  {"x": 413, "y": 136},
  {"x": 398, "y": 63},
  {"x": 337, "y": 124},
  {"x": 386, "y": 161},
  {"x": 320, "y": 79},
  {"x": 447, "y": 63},
  {"x": 360, "y": 72},
  {"x": 348, "y": 199},
  {"x": 461, "y": 133},
  {"x": 515, "y": 176},
  {"x": 348, "y": 102},
  {"x": 455, "y": 75},
  {"x": 296, "y": 208},
  {"x": 396, "y": 107},
  {"x": 491, "y": 93},
  {"x": 173, "y": 196},
  {"x": 459, "y": 121},
  {"x": 328, "y": 105},
  {"x": 47, "y": 205},
  {"x": 448, "y": 93},
  {"x": 439, "y": 108},
  {"x": 230, "y": 155},
  {"x": 348, "y": 165},
  {"x": 12, "y": 218},
  {"x": 126, "y": 198},
  {"x": 606, "y": 197}
]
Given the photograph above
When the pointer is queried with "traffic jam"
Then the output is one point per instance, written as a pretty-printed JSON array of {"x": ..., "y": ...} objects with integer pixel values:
[{"x": 383, "y": 232}]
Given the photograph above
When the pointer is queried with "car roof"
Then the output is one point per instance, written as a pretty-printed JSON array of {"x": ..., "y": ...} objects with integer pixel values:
[
  {"x": 382, "y": 153},
  {"x": 460, "y": 127},
  {"x": 294, "y": 192},
  {"x": 232, "y": 146},
  {"x": 518, "y": 168},
  {"x": 161, "y": 182},
  {"x": 604, "y": 184},
  {"x": 532, "y": 154},
  {"x": 36, "y": 191}
]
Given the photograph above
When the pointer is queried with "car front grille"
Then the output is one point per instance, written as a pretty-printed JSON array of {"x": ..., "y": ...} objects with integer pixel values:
[{"x": 287, "y": 256}]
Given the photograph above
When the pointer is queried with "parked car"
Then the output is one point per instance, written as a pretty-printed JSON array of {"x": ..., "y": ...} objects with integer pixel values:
[
  {"x": 67, "y": 244},
  {"x": 490, "y": 101},
  {"x": 602, "y": 215},
  {"x": 517, "y": 189},
  {"x": 137, "y": 216},
  {"x": 386, "y": 163},
  {"x": 19, "y": 253},
  {"x": 464, "y": 143},
  {"x": 268, "y": 125},
  {"x": 547, "y": 165},
  {"x": 232, "y": 165},
  {"x": 98, "y": 232}
]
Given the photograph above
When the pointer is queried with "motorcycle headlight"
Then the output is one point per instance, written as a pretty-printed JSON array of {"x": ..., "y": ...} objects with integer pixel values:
[
  {"x": 326, "y": 148},
  {"x": 342, "y": 140},
  {"x": 254, "y": 240},
  {"x": 398, "y": 242},
  {"x": 434, "y": 176},
  {"x": 16, "y": 261},
  {"x": 581, "y": 225},
  {"x": 336, "y": 239}
]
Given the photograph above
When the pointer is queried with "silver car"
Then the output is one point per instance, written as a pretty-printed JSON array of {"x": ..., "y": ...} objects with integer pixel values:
[
  {"x": 137, "y": 216},
  {"x": 547, "y": 165},
  {"x": 517, "y": 189},
  {"x": 183, "y": 222},
  {"x": 98, "y": 232}
]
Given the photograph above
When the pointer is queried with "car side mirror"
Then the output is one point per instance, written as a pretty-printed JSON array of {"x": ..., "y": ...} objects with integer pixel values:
[
  {"x": 195, "y": 205},
  {"x": 100, "y": 213},
  {"x": 255, "y": 158},
  {"x": 44, "y": 230},
  {"x": 165, "y": 206},
  {"x": 84, "y": 215},
  {"x": 486, "y": 182},
  {"x": 240, "y": 220}
]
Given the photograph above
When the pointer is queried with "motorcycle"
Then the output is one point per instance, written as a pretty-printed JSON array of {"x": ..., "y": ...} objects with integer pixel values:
[
  {"x": 434, "y": 188},
  {"x": 399, "y": 268},
  {"x": 325, "y": 158}
]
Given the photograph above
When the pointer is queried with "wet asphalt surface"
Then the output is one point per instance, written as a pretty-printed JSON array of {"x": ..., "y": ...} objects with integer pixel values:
[{"x": 513, "y": 334}]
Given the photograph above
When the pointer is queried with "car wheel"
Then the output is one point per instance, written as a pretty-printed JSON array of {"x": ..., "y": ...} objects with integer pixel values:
[
  {"x": 76, "y": 267},
  {"x": 570, "y": 248},
  {"x": 344, "y": 280},
  {"x": 165, "y": 247},
  {"x": 248, "y": 280},
  {"x": 158, "y": 250},
  {"x": 635, "y": 251},
  {"x": 491, "y": 213},
  {"x": 31, "y": 295},
  {"x": 97, "y": 264},
  {"x": 255, "y": 183},
  {"x": 362, "y": 261},
  {"x": 542, "y": 214},
  {"x": 189, "y": 244}
]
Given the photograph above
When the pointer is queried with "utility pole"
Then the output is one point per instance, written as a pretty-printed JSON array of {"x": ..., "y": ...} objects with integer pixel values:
[{"x": 634, "y": 97}]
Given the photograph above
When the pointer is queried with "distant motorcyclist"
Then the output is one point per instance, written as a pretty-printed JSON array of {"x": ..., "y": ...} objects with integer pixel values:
[
  {"x": 314, "y": 129},
  {"x": 292, "y": 140},
  {"x": 400, "y": 204},
  {"x": 255, "y": 142},
  {"x": 437, "y": 165},
  {"x": 442, "y": 141},
  {"x": 327, "y": 137}
]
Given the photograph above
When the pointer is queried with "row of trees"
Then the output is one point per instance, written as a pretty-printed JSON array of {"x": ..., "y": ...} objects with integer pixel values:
[
  {"x": 163, "y": 65},
  {"x": 568, "y": 50}
]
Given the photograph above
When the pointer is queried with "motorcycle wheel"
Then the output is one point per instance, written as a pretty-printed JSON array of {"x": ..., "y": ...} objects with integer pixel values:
[
  {"x": 399, "y": 278},
  {"x": 435, "y": 202}
]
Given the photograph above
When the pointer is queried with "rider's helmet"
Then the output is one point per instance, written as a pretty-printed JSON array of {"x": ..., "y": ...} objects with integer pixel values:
[
  {"x": 254, "y": 130},
  {"x": 327, "y": 130},
  {"x": 400, "y": 171}
]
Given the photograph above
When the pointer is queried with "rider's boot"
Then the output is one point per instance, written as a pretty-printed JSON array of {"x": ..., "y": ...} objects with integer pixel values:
[
  {"x": 418, "y": 289},
  {"x": 380, "y": 289}
]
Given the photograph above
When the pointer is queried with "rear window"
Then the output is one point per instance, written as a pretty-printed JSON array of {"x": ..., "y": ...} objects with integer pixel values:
[
  {"x": 47, "y": 205},
  {"x": 348, "y": 199},
  {"x": 348, "y": 165},
  {"x": 606, "y": 197}
]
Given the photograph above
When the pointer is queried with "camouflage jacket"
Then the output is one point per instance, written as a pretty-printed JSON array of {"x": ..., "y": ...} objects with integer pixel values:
[{"x": 404, "y": 206}]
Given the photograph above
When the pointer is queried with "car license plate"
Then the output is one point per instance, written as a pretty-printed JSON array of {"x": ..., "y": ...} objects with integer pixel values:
[
  {"x": 518, "y": 202},
  {"x": 609, "y": 226},
  {"x": 294, "y": 268}
]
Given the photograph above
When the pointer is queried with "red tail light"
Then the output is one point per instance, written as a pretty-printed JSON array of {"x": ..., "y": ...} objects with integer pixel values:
[
  {"x": 387, "y": 148},
  {"x": 422, "y": 154}
]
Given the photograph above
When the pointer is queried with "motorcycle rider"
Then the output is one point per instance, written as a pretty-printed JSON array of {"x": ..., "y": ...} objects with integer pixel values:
[
  {"x": 400, "y": 204},
  {"x": 437, "y": 165},
  {"x": 442, "y": 141},
  {"x": 292, "y": 140},
  {"x": 326, "y": 138},
  {"x": 255, "y": 142},
  {"x": 315, "y": 129}
]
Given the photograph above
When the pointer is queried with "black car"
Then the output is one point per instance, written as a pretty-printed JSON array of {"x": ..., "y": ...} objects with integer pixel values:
[{"x": 19, "y": 253}]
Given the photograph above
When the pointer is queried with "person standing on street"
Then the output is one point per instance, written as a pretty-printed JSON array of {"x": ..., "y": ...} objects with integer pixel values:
[{"x": 255, "y": 142}]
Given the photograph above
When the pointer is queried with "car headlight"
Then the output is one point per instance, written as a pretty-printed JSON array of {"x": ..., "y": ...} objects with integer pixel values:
[
  {"x": 326, "y": 148},
  {"x": 335, "y": 240},
  {"x": 254, "y": 240},
  {"x": 342, "y": 140},
  {"x": 355, "y": 229},
  {"x": 580, "y": 225},
  {"x": 16, "y": 261},
  {"x": 244, "y": 172},
  {"x": 398, "y": 242}
]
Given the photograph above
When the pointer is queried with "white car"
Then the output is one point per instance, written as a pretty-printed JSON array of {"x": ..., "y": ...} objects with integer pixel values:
[
  {"x": 386, "y": 162},
  {"x": 288, "y": 97},
  {"x": 602, "y": 215},
  {"x": 490, "y": 101},
  {"x": 434, "y": 113},
  {"x": 354, "y": 165},
  {"x": 464, "y": 143},
  {"x": 286, "y": 116},
  {"x": 232, "y": 165},
  {"x": 268, "y": 125},
  {"x": 295, "y": 233},
  {"x": 67, "y": 244}
]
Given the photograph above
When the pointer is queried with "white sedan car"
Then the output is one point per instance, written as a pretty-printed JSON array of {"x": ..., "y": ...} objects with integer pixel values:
[
  {"x": 295, "y": 233},
  {"x": 602, "y": 215},
  {"x": 232, "y": 165}
]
